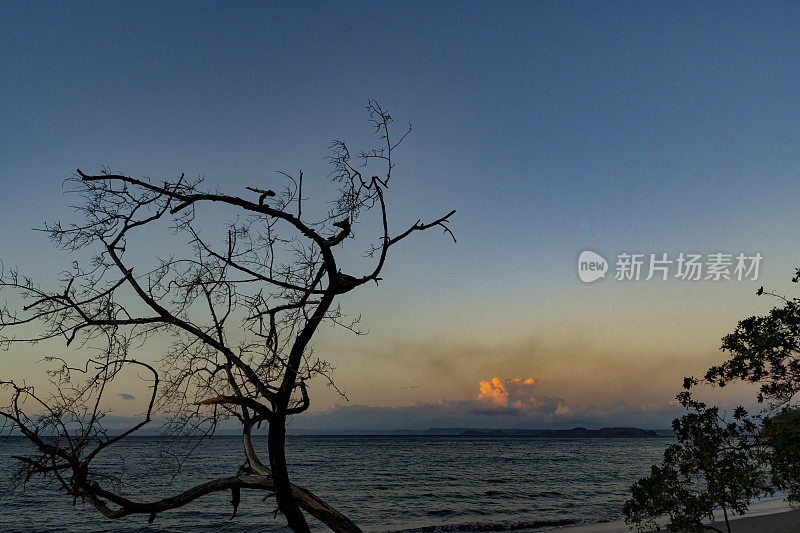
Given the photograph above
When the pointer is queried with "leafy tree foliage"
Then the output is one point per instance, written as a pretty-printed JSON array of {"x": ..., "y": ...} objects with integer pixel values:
[
  {"x": 723, "y": 461},
  {"x": 716, "y": 463}
]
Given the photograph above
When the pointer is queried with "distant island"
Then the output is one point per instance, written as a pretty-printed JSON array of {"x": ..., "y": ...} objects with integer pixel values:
[{"x": 574, "y": 433}]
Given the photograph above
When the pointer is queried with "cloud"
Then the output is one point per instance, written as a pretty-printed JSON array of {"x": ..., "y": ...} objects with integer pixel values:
[
  {"x": 514, "y": 392},
  {"x": 477, "y": 414},
  {"x": 584, "y": 367},
  {"x": 501, "y": 403},
  {"x": 126, "y": 396}
]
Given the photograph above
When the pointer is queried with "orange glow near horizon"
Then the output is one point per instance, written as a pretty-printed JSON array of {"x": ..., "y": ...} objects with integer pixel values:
[{"x": 498, "y": 391}]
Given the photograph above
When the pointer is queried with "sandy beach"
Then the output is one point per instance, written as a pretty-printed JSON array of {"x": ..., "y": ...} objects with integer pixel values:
[{"x": 764, "y": 517}]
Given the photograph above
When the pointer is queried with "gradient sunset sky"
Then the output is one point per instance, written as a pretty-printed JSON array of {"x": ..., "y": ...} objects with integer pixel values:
[{"x": 551, "y": 127}]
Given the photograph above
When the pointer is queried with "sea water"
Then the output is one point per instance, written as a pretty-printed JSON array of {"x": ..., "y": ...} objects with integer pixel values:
[{"x": 385, "y": 483}]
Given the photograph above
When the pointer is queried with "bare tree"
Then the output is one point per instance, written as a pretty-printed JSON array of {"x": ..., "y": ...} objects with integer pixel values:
[{"x": 239, "y": 312}]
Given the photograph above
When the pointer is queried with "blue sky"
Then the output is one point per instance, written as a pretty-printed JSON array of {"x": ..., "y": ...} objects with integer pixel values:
[{"x": 552, "y": 127}]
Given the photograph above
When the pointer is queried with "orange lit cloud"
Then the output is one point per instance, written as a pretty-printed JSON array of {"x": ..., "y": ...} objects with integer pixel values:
[{"x": 510, "y": 392}]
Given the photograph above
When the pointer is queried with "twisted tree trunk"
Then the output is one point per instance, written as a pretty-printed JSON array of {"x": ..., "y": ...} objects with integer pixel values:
[
  {"x": 305, "y": 499},
  {"x": 280, "y": 474}
]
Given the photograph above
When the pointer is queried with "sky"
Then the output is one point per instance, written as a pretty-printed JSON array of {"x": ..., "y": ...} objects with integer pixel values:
[{"x": 551, "y": 127}]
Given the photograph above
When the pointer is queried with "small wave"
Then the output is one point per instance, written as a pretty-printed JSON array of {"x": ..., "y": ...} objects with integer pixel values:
[
  {"x": 492, "y": 526},
  {"x": 549, "y": 493}
]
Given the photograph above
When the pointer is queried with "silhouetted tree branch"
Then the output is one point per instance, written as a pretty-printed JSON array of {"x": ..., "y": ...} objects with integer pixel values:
[{"x": 239, "y": 313}]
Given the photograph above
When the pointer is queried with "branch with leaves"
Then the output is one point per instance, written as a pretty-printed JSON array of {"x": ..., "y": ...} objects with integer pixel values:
[{"x": 724, "y": 461}]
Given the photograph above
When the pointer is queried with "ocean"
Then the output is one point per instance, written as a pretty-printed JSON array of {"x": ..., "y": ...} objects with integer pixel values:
[{"x": 386, "y": 483}]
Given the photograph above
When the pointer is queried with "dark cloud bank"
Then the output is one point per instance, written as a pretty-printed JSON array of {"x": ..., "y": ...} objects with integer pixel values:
[{"x": 550, "y": 413}]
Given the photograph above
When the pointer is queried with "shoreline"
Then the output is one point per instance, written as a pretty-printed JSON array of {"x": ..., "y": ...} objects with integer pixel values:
[{"x": 770, "y": 516}]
